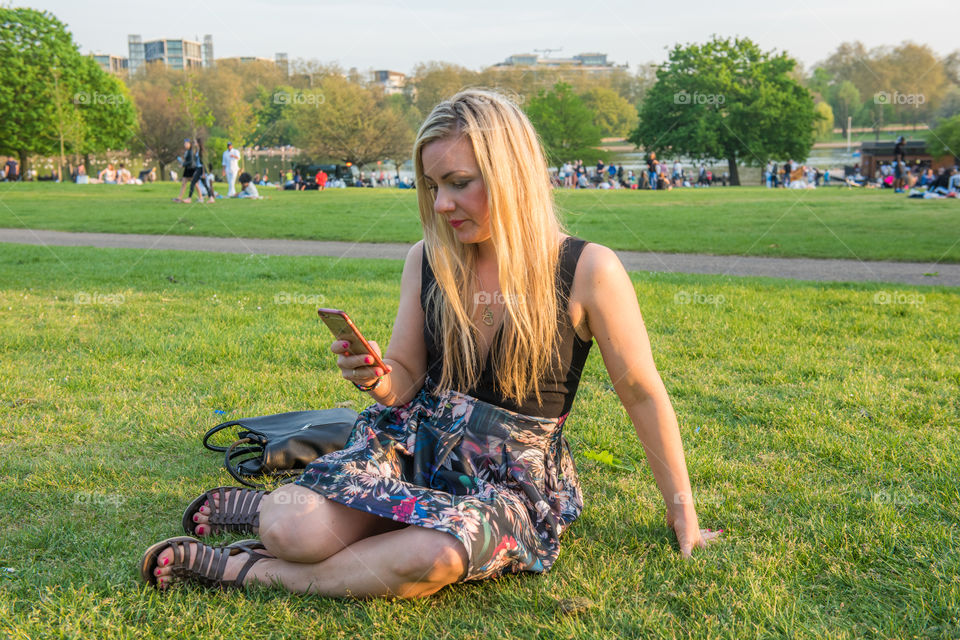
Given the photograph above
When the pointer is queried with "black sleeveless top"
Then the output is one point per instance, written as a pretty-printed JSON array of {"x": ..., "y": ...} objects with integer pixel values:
[{"x": 559, "y": 385}]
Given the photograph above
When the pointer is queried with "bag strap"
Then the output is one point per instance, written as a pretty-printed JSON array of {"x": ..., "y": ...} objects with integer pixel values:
[
  {"x": 232, "y": 452},
  {"x": 217, "y": 429}
]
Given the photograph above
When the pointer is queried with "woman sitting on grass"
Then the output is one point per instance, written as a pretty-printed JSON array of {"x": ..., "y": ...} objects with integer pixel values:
[{"x": 460, "y": 470}]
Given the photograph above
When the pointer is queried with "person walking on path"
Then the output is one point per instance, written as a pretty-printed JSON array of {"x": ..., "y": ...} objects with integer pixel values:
[
  {"x": 198, "y": 174},
  {"x": 189, "y": 163},
  {"x": 459, "y": 471},
  {"x": 231, "y": 166}
]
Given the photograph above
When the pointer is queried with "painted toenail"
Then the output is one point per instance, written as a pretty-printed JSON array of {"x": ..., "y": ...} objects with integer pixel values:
[
  {"x": 165, "y": 562},
  {"x": 196, "y": 517},
  {"x": 201, "y": 529},
  {"x": 158, "y": 572}
]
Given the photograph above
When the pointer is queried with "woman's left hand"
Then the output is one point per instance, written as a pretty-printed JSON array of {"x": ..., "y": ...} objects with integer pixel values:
[{"x": 689, "y": 534}]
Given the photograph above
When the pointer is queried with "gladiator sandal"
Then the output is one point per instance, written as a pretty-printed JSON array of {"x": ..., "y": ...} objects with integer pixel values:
[
  {"x": 239, "y": 514},
  {"x": 207, "y": 565}
]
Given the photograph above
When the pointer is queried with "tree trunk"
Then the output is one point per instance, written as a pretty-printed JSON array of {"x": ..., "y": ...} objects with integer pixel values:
[
  {"x": 732, "y": 170},
  {"x": 162, "y": 171},
  {"x": 24, "y": 163}
]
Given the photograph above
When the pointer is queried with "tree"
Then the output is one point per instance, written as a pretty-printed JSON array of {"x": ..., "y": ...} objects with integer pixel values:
[
  {"x": 107, "y": 109},
  {"x": 727, "y": 99},
  {"x": 437, "y": 81},
  {"x": 825, "y": 120},
  {"x": 565, "y": 125},
  {"x": 161, "y": 121},
  {"x": 344, "y": 121},
  {"x": 612, "y": 114},
  {"x": 845, "y": 100},
  {"x": 945, "y": 139}
]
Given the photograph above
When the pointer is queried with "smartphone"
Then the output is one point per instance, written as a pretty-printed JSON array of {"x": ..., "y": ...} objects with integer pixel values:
[{"x": 343, "y": 328}]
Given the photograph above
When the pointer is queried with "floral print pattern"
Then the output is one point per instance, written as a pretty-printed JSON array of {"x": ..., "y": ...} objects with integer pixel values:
[{"x": 503, "y": 483}]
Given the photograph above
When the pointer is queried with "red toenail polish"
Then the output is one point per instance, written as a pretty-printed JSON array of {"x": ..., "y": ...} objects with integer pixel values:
[
  {"x": 200, "y": 529},
  {"x": 165, "y": 562},
  {"x": 158, "y": 572},
  {"x": 196, "y": 517},
  {"x": 206, "y": 503}
]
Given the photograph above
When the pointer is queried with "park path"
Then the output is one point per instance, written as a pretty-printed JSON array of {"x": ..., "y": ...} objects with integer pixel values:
[{"x": 794, "y": 268}]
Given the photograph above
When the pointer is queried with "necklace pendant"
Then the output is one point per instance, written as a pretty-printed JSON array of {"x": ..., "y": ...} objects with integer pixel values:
[{"x": 487, "y": 316}]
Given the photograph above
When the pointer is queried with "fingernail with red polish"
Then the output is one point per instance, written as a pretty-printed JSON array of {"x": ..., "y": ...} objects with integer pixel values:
[{"x": 368, "y": 360}]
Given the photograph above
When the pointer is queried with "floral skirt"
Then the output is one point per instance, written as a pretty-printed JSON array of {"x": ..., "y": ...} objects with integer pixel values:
[{"x": 503, "y": 483}]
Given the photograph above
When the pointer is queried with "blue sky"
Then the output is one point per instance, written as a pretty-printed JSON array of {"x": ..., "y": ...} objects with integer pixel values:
[{"x": 396, "y": 34}]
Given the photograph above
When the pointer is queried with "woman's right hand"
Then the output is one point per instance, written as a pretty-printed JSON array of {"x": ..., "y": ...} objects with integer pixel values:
[{"x": 358, "y": 368}]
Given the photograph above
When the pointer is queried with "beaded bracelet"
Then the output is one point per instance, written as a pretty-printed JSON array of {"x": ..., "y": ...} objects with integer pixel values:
[{"x": 369, "y": 387}]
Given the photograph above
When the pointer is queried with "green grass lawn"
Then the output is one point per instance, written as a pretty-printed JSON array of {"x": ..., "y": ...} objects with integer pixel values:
[
  {"x": 823, "y": 223},
  {"x": 820, "y": 429}
]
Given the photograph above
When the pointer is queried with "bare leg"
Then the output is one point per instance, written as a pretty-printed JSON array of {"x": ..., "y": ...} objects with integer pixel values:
[{"x": 327, "y": 548}]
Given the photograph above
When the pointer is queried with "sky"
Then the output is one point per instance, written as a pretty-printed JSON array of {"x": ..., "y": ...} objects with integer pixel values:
[{"x": 397, "y": 34}]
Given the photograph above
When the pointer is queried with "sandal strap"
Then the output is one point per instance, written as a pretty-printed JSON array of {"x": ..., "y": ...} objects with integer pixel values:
[
  {"x": 209, "y": 563},
  {"x": 240, "y": 513}
]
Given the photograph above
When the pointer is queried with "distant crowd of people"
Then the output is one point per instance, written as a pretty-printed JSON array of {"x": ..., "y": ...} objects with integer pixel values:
[
  {"x": 657, "y": 176},
  {"x": 791, "y": 175}
]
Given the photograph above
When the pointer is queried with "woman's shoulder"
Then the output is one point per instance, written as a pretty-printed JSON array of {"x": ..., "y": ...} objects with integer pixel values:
[
  {"x": 598, "y": 266},
  {"x": 594, "y": 258}
]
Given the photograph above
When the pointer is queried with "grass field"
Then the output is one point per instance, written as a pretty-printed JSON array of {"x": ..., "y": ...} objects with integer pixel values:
[
  {"x": 819, "y": 422},
  {"x": 822, "y": 223}
]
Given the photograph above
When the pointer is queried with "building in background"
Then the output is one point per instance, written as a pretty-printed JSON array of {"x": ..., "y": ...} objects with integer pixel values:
[
  {"x": 110, "y": 63},
  {"x": 283, "y": 63},
  {"x": 594, "y": 63},
  {"x": 176, "y": 54},
  {"x": 390, "y": 81},
  {"x": 208, "y": 50}
]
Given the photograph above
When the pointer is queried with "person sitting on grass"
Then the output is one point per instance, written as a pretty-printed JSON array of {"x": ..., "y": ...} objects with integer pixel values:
[
  {"x": 459, "y": 471},
  {"x": 247, "y": 188}
]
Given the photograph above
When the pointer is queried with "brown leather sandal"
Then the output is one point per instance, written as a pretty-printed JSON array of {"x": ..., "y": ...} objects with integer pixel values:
[
  {"x": 207, "y": 565},
  {"x": 239, "y": 514}
]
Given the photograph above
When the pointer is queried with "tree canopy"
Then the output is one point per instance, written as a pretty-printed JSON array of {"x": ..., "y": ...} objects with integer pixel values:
[
  {"x": 727, "y": 99},
  {"x": 50, "y": 92},
  {"x": 565, "y": 125}
]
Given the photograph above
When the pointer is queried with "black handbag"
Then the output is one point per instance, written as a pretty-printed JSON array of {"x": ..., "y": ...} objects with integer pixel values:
[{"x": 280, "y": 446}]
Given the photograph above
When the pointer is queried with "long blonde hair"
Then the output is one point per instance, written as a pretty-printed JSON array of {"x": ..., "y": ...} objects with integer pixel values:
[{"x": 525, "y": 232}]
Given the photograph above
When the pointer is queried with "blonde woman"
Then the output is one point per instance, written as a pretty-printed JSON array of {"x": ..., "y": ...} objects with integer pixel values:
[{"x": 459, "y": 471}]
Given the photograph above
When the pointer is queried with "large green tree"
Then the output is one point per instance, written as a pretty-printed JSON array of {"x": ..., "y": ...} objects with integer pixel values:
[
  {"x": 613, "y": 114},
  {"x": 945, "y": 138},
  {"x": 727, "y": 99},
  {"x": 344, "y": 121},
  {"x": 565, "y": 125},
  {"x": 40, "y": 66}
]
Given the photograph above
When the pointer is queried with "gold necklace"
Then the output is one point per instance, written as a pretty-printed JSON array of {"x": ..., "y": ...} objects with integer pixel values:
[{"x": 487, "y": 315}]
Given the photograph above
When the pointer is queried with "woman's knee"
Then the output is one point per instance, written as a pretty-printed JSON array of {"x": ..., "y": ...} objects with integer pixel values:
[
  {"x": 288, "y": 520},
  {"x": 434, "y": 559}
]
